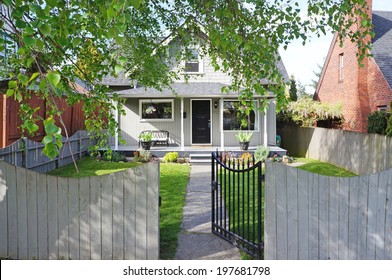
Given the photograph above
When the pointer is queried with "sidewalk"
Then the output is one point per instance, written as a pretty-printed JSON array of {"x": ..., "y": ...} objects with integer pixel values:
[{"x": 196, "y": 242}]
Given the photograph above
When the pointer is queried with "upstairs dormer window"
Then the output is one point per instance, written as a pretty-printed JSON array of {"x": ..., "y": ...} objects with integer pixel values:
[{"x": 193, "y": 62}]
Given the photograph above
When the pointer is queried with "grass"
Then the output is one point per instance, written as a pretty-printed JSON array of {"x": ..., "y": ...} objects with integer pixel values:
[
  {"x": 323, "y": 168},
  {"x": 89, "y": 166},
  {"x": 174, "y": 179}
]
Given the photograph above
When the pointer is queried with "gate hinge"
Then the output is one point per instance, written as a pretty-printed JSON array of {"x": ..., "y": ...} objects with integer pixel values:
[{"x": 214, "y": 185}]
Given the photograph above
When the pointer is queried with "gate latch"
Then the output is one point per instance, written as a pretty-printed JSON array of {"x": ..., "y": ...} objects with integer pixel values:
[{"x": 214, "y": 185}]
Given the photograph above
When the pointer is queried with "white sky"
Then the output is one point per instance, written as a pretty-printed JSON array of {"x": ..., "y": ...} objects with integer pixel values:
[{"x": 301, "y": 61}]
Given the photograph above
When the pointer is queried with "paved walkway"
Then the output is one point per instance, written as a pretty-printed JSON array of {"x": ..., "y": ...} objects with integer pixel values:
[{"x": 196, "y": 242}]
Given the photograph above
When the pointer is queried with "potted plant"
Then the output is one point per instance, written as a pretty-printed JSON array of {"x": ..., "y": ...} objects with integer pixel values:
[
  {"x": 244, "y": 139},
  {"x": 145, "y": 140}
]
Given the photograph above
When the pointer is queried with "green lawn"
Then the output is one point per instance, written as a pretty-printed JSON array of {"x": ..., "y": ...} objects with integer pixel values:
[
  {"x": 174, "y": 179},
  {"x": 89, "y": 166},
  {"x": 323, "y": 168}
]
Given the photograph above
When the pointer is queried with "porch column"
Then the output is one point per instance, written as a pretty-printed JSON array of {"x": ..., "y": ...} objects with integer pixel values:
[
  {"x": 115, "y": 113},
  {"x": 222, "y": 135},
  {"x": 265, "y": 141},
  {"x": 182, "y": 125}
]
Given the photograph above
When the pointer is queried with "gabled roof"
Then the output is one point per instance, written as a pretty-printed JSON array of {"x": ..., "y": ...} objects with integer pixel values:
[{"x": 382, "y": 43}]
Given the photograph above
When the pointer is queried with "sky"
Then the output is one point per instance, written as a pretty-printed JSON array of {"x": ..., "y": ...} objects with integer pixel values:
[{"x": 301, "y": 61}]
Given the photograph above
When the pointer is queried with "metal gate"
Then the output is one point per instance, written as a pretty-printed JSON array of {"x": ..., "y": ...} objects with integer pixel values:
[{"x": 237, "y": 201}]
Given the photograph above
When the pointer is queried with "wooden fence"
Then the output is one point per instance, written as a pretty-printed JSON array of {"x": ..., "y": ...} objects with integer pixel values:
[
  {"x": 310, "y": 216},
  {"x": 28, "y": 154},
  {"x": 360, "y": 153},
  {"x": 107, "y": 217}
]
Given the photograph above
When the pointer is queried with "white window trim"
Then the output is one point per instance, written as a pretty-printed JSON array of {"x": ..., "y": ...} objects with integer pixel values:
[
  {"x": 141, "y": 101},
  {"x": 201, "y": 60},
  {"x": 341, "y": 67},
  {"x": 257, "y": 117}
]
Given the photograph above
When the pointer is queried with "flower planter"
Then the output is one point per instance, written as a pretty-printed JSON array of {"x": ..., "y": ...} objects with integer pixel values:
[
  {"x": 146, "y": 145},
  {"x": 244, "y": 146}
]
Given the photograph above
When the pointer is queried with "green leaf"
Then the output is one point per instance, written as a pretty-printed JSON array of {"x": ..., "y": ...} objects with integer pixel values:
[
  {"x": 34, "y": 76},
  {"x": 29, "y": 30},
  {"x": 32, "y": 127},
  {"x": 47, "y": 139},
  {"x": 23, "y": 79},
  {"x": 19, "y": 96},
  {"x": 118, "y": 68},
  {"x": 45, "y": 29},
  {"x": 51, "y": 128},
  {"x": 53, "y": 78},
  {"x": 29, "y": 41},
  {"x": 42, "y": 85},
  {"x": 51, "y": 150},
  {"x": 12, "y": 84},
  {"x": 10, "y": 92}
]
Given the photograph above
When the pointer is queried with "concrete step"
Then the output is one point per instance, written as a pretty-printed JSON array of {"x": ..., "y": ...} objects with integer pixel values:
[{"x": 200, "y": 158}]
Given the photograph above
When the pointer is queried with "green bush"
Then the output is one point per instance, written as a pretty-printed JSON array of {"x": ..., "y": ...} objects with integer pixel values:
[
  {"x": 171, "y": 157},
  {"x": 114, "y": 156},
  {"x": 261, "y": 153},
  {"x": 377, "y": 122}
]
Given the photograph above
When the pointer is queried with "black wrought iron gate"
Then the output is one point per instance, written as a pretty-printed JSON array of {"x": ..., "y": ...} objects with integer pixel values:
[{"x": 237, "y": 196}]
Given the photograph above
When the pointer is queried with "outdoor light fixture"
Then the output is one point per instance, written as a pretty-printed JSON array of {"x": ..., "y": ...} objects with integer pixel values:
[{"x": 216, "y": 104}]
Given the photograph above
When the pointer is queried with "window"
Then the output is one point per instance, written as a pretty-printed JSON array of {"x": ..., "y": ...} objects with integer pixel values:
[
  {"x": 156, "y": 110},
  {"x": 382, "y": 108},
  {"x": 193, "y": 63},
  {"x": 235, "y": 117},
  {"x": 341, "y": 67}
]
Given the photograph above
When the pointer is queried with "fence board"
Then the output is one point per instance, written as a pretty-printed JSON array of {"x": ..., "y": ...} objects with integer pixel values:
[
  {"x": 381, "y": 215},
  {"x": 53, "y": 219},
  {"x": 323, "y": 217},
  {"x": 372, "y": 212},
  {"x": 84, "y": 225},
  {"x": 95, "y": 218},
  {"x": 314, "y": 245},
  {"x": 3, "y": 211},
  {"x": 281, "y": 212},
  {"x": 42, "y": 219},
  {"x": 130, "y": 215},
  {"x": 141, "y": 215},
  {"x": 292, "y": 211},
  {"x": 343, "y": 212},
  {"x": 333, "y": 218},
  {"x": 32, "y": 214},
  {"x": 73, "y": 219},
  {"x": 362, "y": 216},
  {"x": 388, "y": 222},
  {"x": 107, "y": 217},
  {"x": 21, "y": 192},
  {"x": 353, "y": 219},
  {"x": 153, "y": 213},
  {"x": 303, "y": 216},
  {"x": 63, "y": 219},
  {"x": 118, "y": 217},
  {"x": 270, "y": 232}
]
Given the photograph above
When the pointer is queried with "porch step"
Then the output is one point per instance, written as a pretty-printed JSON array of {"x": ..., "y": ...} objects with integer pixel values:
[{"x": 200, "y": 158}]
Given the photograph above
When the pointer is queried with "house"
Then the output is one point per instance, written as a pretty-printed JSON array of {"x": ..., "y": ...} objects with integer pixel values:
[
  {"x": 362, "y": 90},
  {"x": 198, "y": 114}
]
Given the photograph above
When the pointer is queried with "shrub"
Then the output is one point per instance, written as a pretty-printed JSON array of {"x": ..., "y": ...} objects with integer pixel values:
[
  {"x": 377, "y": 122},
  {"x": 261, "y": 153},
  {"x": 114, "y": 156},
  {"x": 142, "y": 156},
  {"x": 171, "y": 157}
]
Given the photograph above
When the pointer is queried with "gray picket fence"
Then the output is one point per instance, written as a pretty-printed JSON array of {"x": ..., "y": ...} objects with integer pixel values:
[
  {"x": 28, "y": 153},
  {"x": 310, "y": 216},
  {"x": 111, "y": 217}
]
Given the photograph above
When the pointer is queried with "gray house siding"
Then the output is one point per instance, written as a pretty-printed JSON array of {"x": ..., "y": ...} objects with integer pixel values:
[{"x": 131, "y": 125}]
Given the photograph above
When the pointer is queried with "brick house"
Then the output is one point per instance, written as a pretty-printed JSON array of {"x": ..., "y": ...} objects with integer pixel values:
[{"x": 361, "y": 90}]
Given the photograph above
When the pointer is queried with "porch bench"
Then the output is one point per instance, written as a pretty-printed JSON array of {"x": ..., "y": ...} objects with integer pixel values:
[{"x": 159, "y": 137}]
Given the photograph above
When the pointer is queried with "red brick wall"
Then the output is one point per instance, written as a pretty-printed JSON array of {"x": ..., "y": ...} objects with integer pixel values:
[{"x": 360, "y": 92}]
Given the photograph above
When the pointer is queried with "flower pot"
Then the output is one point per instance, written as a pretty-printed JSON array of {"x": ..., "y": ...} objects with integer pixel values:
[
  {"x": 146, "y": 145},
  {"x": 244, "y": 146}
]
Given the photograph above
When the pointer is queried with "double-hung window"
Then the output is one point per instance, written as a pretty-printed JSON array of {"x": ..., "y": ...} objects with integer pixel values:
[{"x": 237, "y": 116}]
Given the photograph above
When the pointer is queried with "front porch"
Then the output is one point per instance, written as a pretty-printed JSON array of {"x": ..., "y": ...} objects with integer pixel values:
[{"x": 188, "y": 151}]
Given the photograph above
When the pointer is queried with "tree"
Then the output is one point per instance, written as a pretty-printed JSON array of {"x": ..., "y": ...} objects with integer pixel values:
[
  {"x": 293, "y": 89},
  {"x": 241, "y": 37},
  {"x": 317, "y": 73}
]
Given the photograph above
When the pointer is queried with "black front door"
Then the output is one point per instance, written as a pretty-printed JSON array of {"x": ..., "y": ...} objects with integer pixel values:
[{"x": 201, "y": 122}]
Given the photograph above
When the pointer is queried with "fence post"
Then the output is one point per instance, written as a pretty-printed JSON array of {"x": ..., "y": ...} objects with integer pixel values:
[{"x": 212, "y": 190}]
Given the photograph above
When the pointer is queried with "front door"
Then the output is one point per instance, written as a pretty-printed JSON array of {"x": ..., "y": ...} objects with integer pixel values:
[{"x": 201, "y": 121}]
